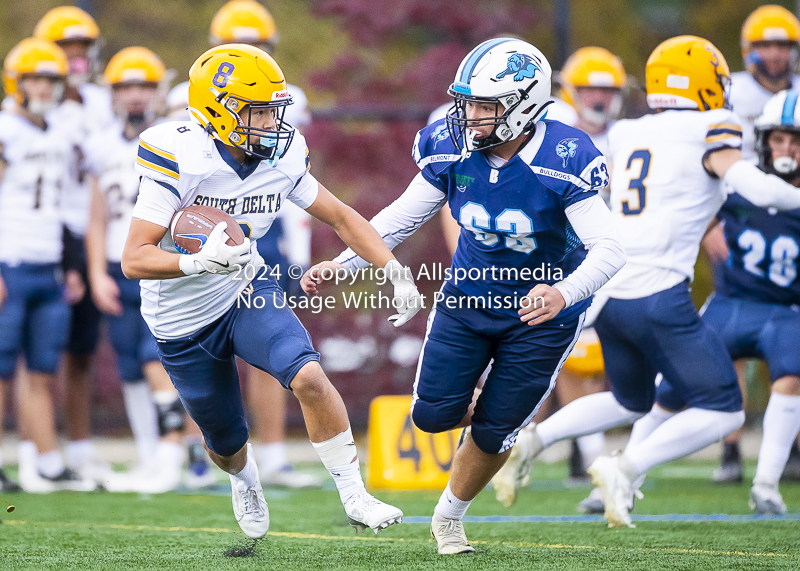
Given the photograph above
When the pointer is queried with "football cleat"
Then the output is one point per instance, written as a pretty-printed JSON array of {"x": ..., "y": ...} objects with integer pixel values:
[
  {"x": 577, "y": 472},
  {"x": 249, "y": 506},
  {"x": 616, "y": 489},
  {"x": 69, "y": 479},
  {"x": 7, "y": 485},
  {"x": 94, "y": 469},
  {"x": 731, "y": 468},
  {"x": 449, "y": 535},
  {"x": 288, "y": 477},
  {"x": 766, "y": 500},
  {"x": 516, "y": 472},
  {"x": 593, "y": 504},
  {"x": 365, "y": 511}
]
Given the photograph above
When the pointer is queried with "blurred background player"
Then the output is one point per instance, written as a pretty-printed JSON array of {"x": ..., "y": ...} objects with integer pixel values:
[
  {"x": 288, "y": 242},
  {"x": 769, "y": 41},
  {"x": 647, "y": 323},
  {"x": 137, "y": 80},
  {"x": 87, "y": 109},
  {"x": 34, "y": 316},
  {"x": 755, "y": 306}
]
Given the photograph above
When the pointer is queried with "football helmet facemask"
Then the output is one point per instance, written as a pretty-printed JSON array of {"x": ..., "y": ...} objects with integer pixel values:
[
  {"x": 781, "y": 113},
  {"x": 508, "y": 73},
  {"x": 227, "y": 78},
  {"x": 34, "y": 57}
]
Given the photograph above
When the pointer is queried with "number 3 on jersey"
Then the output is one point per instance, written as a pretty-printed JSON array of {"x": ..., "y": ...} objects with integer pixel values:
[
  {"x": 515, "y": 224},
  {"x": 637, "y": 183}
]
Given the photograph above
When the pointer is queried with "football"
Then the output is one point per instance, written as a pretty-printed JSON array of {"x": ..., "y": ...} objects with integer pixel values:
[{"x": 191, "y": 226}]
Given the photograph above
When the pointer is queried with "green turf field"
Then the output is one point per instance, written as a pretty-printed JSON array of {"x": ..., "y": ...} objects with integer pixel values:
[{"x": 197, "y": 531}]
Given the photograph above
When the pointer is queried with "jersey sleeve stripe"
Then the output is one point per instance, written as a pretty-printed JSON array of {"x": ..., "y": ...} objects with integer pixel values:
[
  {"x": 712, "y": 132},
  {"x": 155, "y": 159},
  {"x": 732, "y": 126},
  {"x": 157, "y": 168},
  {"x": 157, "y": 151},
  {"x": 724, "y": 137}
]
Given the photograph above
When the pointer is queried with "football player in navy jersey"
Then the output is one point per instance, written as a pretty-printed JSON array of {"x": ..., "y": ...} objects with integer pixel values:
[
  {"x": 756, "y": 306},
  {"x": 524, "y": 191}
]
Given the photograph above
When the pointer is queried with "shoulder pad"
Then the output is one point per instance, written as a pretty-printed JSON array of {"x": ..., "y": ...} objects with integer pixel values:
[
  {"x": 433, "y": 147},
  {"x": 169, "y": 149},
  {"x": 569, "y": 155},
  {"x": 295, "y": 163}
]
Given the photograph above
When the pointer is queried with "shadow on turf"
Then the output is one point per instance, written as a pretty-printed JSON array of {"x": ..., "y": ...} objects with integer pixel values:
[{"x": 244, "y": 547}]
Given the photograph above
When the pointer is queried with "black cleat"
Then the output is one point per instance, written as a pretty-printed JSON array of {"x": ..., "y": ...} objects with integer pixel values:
[
  {"x": 731, "y": 468},
  {"x": 7, "y": 485},
  {"x": 577, "y": 472}
]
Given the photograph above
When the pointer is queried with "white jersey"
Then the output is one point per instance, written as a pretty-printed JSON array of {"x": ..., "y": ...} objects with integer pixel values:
[
  {"x": 31, "y": 191},
  {"x": 111, "y": 158},
  {"x": 748, "y": 98},
  {"x": 182, "y": 165},
  {"x": 661, "y": 196}
]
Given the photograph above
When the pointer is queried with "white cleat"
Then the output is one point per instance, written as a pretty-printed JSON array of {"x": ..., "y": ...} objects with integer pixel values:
[
  {"x": 365, "y": 511},
  {"x": 94, "y": 469},
  {"x": 249, "y": 505},
  {"x": 288, "y": 477},
  {"x": 593, "y": 504},
  {"x": 616, "y": 489},
  {"x": 766, "y": 500},
  {"x": 516, "y": 472},
  {"x": 449, "y": 535}
]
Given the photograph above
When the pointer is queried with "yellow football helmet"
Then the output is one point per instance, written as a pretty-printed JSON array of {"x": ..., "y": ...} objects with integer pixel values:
[
  {"x": 586, "y": 358},
  {"x": 33, "y": 56},
  {"x": 227, "y": 78},
  {"x": 768, "y": 23},
  {"x": 67, "y": 23},
  {"x": 244, "y": 21},
  {"x": 687, "y": 72},
  {"x": 135, "y": 65},
  {"x": 593, "y": 67}
]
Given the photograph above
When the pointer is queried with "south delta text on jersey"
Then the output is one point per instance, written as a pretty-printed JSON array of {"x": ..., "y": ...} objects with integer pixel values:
[
  {"x": 513, "y": 216},
  {"x": 764, "y": 247}
]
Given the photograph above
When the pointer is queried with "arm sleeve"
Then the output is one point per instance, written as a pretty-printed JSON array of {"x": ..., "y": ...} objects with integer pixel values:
[
  {"x": 762, "y": 189},
  {"x": 418, "y": 204},
  {"x": 157, "y": 202},
  {"x": 595, "y": 226}
]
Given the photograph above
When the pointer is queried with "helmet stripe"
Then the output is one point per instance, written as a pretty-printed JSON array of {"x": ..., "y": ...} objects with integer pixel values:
[
  {"x": 787, "y": 118},
  {"x": 476, "y": 55}
]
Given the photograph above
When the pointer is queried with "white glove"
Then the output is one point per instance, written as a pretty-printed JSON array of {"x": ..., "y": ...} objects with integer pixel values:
[
  {"x": 407, "y": 298},
  {"x": 216, "y": 257}
]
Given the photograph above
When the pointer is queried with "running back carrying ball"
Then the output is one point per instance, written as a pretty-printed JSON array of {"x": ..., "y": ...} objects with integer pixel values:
[
  {"x": 210, "y": 240},
  {"x": 191, "y": 226}
]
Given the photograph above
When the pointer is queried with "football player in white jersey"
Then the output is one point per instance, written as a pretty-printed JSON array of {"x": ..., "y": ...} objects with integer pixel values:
[
  {"x": 665, "y": 189},
  {"x": 87, "y": 109},
  {"x": 34, "y": 315},
  {"x": 287, "y": 243},
  {"x": 205, "y": 309},
  {"x": 770, "y": 39},
  {"x": 155, "y": 413}
]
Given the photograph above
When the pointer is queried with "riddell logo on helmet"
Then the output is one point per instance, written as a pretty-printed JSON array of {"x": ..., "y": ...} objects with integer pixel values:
[{"x": 280, "y": 95}]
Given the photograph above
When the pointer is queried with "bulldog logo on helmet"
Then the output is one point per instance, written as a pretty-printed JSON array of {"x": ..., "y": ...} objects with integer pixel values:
[{"x": 522, "y": 65}]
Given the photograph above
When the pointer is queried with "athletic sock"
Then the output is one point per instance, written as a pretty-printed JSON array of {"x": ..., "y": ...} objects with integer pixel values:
[
  {"x": 271, "y": 456},
  {"x": 685, "y": 432},
  {"x": 142, "y": 417},
  {"x": 169, "y": 454},
  {"x": 592, "y": 447},
  {"x": 248, "y": 475},
  {"x": 586, "y": 415},
  {"x": 78, "y": 452},
  {"x": 781, "y": 425},
  {"x": 645, "y": 426},
  {"x": 26, "y": 457},
  {"x": 340, "y": 457},
  {"x": 50, "y": 464},
  {"x": 450, "y": 506}
]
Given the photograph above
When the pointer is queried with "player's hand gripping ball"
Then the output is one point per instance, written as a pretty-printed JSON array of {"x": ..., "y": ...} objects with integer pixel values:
[{"x": 210, "y": 240}]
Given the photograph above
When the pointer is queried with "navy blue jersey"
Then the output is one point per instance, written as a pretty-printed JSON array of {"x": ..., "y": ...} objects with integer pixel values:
[
  {"x": 764, "y": 249},
  {"x": 514, "y": 231}
]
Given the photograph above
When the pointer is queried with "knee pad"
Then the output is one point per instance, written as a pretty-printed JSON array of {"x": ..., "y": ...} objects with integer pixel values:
[
  {"x": 171, "y": 414},
  {"x": 434, "y": 418},
  {"x": 228, "y": 441}
]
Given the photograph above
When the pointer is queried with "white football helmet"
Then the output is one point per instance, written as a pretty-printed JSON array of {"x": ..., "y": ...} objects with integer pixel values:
[
  {"x": 781, "y": 113},
  {"x": 504, "y": 71}
]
